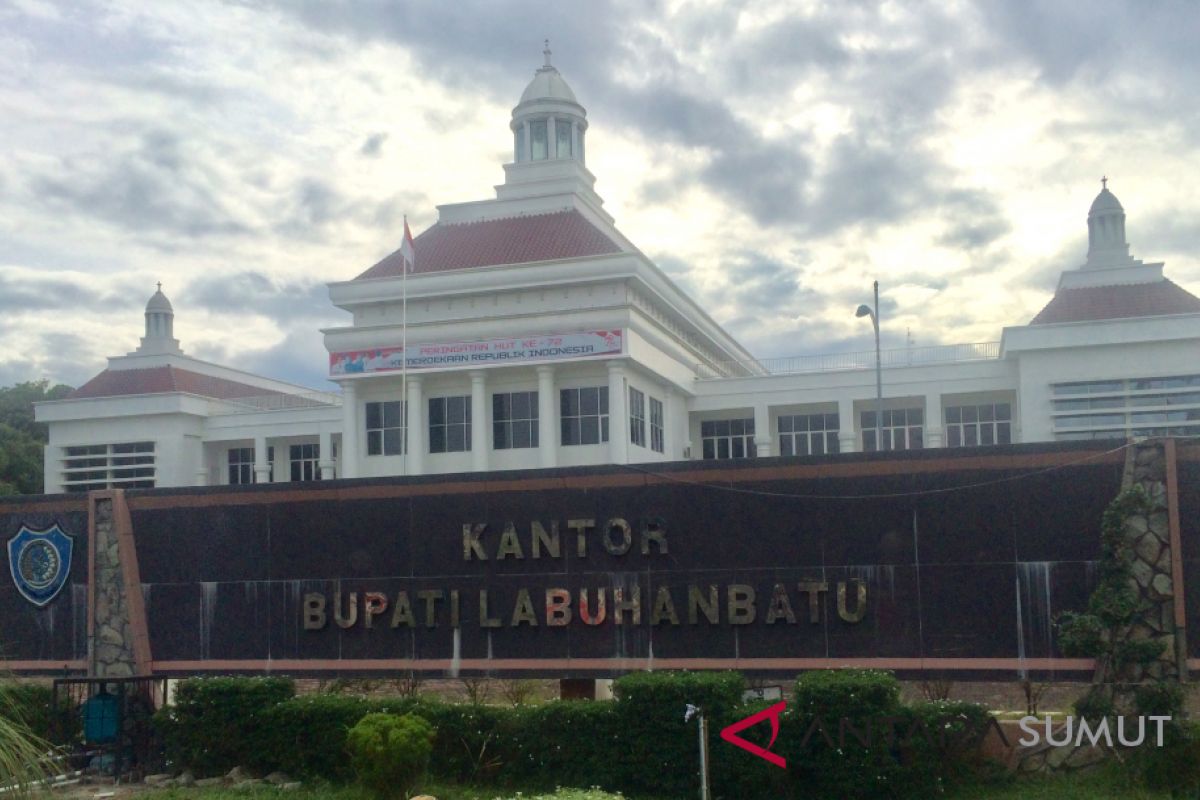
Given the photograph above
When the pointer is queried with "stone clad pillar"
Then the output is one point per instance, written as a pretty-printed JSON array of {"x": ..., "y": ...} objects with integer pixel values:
[
  {"x": 415, "y": 405},
  {"x": 547, "y": 417},
  {"x": 350, "y": 430},
  {"x": 262, "y": 467},
  {"x": 618, "y": 422},
  {"x": 847, "y": 425},
  {"x": 762, "y": 430},
  {"x": 479, "y": 421},
  {"x": 325, "y": 461}
]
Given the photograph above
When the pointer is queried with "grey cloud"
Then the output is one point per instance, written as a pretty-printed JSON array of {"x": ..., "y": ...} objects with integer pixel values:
[
  {"x": 250, "y": 292},
  {"x": 51, "y": 292},
  {"x": 373, "y": 146},
  {"x": 300, "y": 358},
  {"x": 153, "y": 186}
]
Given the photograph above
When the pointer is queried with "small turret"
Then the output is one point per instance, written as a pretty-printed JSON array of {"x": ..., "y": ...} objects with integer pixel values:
[{"x": 160, "y": 327}]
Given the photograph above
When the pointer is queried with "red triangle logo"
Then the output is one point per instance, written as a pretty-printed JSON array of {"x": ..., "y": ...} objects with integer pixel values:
[{"x": 730, "y": 734}]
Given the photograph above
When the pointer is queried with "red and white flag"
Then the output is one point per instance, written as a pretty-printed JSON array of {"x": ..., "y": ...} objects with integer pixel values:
[{"x": 407, "y": 253}]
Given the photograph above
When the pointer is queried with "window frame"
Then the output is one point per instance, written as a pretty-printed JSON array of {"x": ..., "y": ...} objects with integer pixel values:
[
  {"x": 912, "y": 426},
  {"x": 575, "y": 418},
  {"x": 381, "y": 439},
  {"x": 507, "y": 427},
  {"x": 721, "y": 439},
  {"x": 792, "y": 429},
  {"x": 442, "y": 435},
  {"x": 637, "y": 417},
  {"x": 304, "y": 461},
  {"x": 657, "y": 425}
]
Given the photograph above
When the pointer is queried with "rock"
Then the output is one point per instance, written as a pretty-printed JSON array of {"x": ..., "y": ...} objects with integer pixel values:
[
  {"x": 1084, "y": 757},
  {"x": 1148, "y": 548},
  {"x": 157, "y": 779},
  {"x": 1056, "y": 757},
  {"x": 1143, "y": 573},
  {"x": 249, "y": 783},
  {"x": 119, "y": 670},
  {"x": 1164, "y": 561},
  {"x": 236, "y": 774},
  {"x": 1158, "y": 525},
  {"x": 1136, "y": 526},
  {"x": 206, "y": 782},
  {"x": 110, "y": 636},
  {"x": 187, "y": 779},
  {"x": 1161, "y": 585},
  {"x": 424, "y": 797},
  {"x": 277, "y": 779},
  {"x": 290, "y": 786}
]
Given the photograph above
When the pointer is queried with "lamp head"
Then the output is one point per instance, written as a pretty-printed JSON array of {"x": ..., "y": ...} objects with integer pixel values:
[{"x": 863, "y": 311}]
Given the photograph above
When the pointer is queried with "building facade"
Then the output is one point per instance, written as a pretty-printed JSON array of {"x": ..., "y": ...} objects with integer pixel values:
[{"x": 528, "y": 332}]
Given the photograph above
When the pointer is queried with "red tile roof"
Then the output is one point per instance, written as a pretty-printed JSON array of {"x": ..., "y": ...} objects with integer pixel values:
[
  {"x": 513, "y": 240},
  {"x": 159, "y": 380},
  {"x": 1117, "y": 302}
]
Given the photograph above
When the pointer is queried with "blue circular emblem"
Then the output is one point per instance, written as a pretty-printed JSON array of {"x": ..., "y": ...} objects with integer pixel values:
[{"x": 38, "y": 563}]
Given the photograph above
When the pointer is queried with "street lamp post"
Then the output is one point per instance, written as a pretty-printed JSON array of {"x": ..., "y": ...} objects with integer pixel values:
[{"x": 866, "y": 311}]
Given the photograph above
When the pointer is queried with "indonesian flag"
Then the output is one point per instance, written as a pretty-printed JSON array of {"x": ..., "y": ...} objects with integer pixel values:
[{"x": 407, "y": 253}]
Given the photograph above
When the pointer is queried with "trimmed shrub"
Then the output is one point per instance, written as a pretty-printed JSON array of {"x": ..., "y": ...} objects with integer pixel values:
[
  {"x": 33, "y": 705},
  {"x": 1174, "y": 767},
  {"x": 560, "y": 743},
  {"x": 390, "y": 753},
  {"x": 217, "y": 724},
  {"x": 650, "y": 711}
]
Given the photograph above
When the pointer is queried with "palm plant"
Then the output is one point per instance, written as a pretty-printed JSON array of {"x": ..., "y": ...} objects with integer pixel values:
[{"x": 23, "y": 759}]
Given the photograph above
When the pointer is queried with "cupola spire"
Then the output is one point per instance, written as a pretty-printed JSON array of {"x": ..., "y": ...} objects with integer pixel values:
[
  {"x": 1106, "y": 230},
  {"x": 160, "y": 326}
]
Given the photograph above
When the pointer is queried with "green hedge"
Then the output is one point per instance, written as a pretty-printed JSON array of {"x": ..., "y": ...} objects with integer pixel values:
[
  {"x": 33, "y": 705},
  {"x": 639, "y": 744},
  {"x": 217, "y": 724}
]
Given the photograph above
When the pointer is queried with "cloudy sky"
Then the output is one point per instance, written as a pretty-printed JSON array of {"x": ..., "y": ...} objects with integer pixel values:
[{"x": 774, "y": 158}]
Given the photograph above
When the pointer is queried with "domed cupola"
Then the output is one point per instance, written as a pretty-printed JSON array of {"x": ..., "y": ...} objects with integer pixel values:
[
  {"x": 160, "y": 325},
  {"x": 548, "y": 123},
  {"x": 1106, "y": 230}
]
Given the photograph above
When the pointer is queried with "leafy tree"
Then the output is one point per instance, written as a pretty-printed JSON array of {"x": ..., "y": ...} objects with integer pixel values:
[{"x": 21, "y": 438}]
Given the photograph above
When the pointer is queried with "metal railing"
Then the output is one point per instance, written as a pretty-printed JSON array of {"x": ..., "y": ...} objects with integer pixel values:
[
  {"x": 275, "y": 402},
  {"x": 864, "y": 359}
]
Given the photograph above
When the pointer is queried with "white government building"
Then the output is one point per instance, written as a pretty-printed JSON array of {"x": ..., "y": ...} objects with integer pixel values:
[{"x": 539, "y": 336}]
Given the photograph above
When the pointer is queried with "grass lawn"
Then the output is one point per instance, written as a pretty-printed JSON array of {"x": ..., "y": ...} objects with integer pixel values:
[
  {"x": 1096, "y": 786},
  {"x": 440, "y": 791}
]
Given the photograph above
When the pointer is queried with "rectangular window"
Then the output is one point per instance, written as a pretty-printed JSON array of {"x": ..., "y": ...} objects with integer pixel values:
[
  {"x": 637, "y": 417},
  {"x": 584, "y": 415},
  {"x": 305, "y": 458},
  {"x": 387, "y": 433},
  {"x": 241, "y": 465},
  {"x": 514, "y": 420},
  {"x": 1160, "y": 406},
  {"x": 450, "y": 424},
  {"x": 562, "y": 135},
  {"x": 902, "y": 429},
  {"x": 125, "y": 465},
  {"x": 657, "y": 440},
  {"x": 728, "y": 438},
  {"x": 538, "y": 140},
  {"x": 974, "y": 425},
  {"x": 808, "y": 434}
]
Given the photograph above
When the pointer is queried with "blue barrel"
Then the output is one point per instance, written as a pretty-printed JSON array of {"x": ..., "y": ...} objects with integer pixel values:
[{"x": 100, "y": 719}]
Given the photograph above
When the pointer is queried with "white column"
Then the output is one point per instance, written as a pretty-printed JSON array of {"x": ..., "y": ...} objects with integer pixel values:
[
  {"x": 528, "y": 148},
  {"x": 551, "y": 139},
  {"x": 479, "y": 421},
  {"x": 847, "y": 425},
  {"x": 351, "y": 435},
  {"x": 933, "y": 421},
  {"x": 671, "y": 450},
  {"x": 201, "y": 465},
  {"x": 762, "y": 430},
  {"x": 547, "y": 417},
  {"x": 262, "y": 467},
  {"x": 416, "y": 426},
  {"x": 618, "y": 424},
  {"x": 325, "y": 462}
]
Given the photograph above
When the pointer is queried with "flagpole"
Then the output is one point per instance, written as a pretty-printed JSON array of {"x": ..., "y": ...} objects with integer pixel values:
[{"x": 404, "y": 345}]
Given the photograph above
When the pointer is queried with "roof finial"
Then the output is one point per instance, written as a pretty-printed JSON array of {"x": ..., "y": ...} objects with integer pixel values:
[
  {"x": 160, "y": 286},
  {"x": 1104, "y": 182},
  {"x": 546, "y": 53}
]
